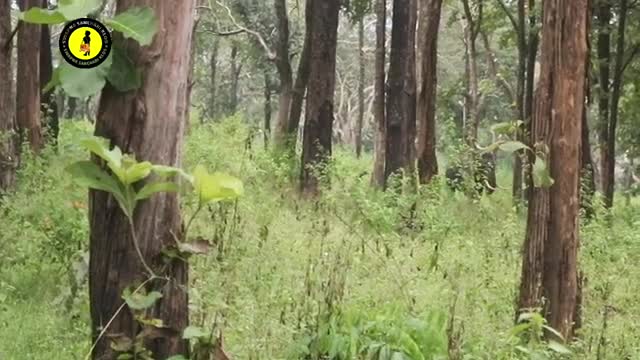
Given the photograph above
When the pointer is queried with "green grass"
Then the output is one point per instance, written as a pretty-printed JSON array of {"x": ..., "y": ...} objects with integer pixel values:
[{"x": 285, "y": 259}]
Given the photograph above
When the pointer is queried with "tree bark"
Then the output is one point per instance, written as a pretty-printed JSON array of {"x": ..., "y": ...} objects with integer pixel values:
[
  {"x": 302, "y": 78},
  {"x": 516, "y": 190},
  {"x": 8, "y": 128},
  {"x": 401, "y": 98},
  {"x": 318, "y": 128},
  {"x": 552, "y": 240},
  {"x": 149, "y": 123},
  {"x": 283, "y": 65},
  {"x": 361, "y": 80},
  {"x": 49, "y": 105},
  {"x": 429, "y": 27},
  {"x": 587, "y": 184},
  {"x": 530, "y": 86},
  {"x": 28, "y": 81},
  {"x": 378, "y": 175}
]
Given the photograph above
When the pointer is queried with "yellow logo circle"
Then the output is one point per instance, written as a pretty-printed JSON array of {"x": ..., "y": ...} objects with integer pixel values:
[{"x": 85, "y": 43}]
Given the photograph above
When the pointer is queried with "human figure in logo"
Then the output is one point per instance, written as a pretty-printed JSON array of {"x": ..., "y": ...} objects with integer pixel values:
[{"x": 86, "y": 43}]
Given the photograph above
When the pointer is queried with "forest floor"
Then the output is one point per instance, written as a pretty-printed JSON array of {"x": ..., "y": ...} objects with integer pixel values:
[{"x": 283, "y": 264}]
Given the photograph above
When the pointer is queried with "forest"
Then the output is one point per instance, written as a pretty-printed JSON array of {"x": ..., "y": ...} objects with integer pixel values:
[{"x": 320, "y": 179}]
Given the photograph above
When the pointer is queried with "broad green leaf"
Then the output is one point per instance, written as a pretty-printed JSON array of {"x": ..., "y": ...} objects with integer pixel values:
[
  {"x": 520, "y": 328},
  {"x": 194, "y": 332},
  {"x": 122, "y": 344},
  {"x": 199, "y": 246},
  {"x": 559, "y": 348},
  {"x": 177, "y": 357},
  {"x": 512, "y": 146},
  {"x": 100, "y": 147},
  {"x": 541, "y": 174},
  {"x": 215, "y": 187},
  {"x": 89, "y": 174},
  {"x": 37, "y": 15},
  {"x": 74, "y": 9},
  {"x": 80, "y": 83},
  {"x": 137, "y": 172},
  {"x": 123, "y": 74},
  {"x": 150, "y": 189},
  {"x": 140, "y": 301},
  {"x": 168, "y": 171},
  {"x": 137, "y": 23},
  {"x": 54, "y": 82}
]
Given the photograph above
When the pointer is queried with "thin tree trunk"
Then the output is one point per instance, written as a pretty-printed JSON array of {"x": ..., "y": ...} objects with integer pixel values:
[
  {"x": 361, "y": 80},
  {"x": 520, "y": 100},
  {"x": 473, "y": 97},
  {"x": 302, "y": 78},
  {"x": 28, "y": 81},
  {"x": 318, "y": 127},
  {"x": 267, "y": 109},
  {"x": 213, "y": 80},
  {"x": 400, "y": 89},
  {"x": 148, "y": 123},
  {"x": 49, "y": 105},
  {"x": 609, "y": 153},
  {"x": 588, "y": 185},
  {"x": 235, "y": 79},
  {"x": 8, "y": 128},
  {"x": 378, "y": 176},
  {"x": 285, "y": 73},
  {"x": 604, "y": 79},
  {"x": 430, "y": 13},
  {"x": 552, "y": 240},
  {"x": 530, "y": 85}
]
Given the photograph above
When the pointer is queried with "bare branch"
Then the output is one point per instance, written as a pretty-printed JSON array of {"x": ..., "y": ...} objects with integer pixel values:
[
  {"x": 512, "y": 19},
  {"x": 270, "y": 54}
]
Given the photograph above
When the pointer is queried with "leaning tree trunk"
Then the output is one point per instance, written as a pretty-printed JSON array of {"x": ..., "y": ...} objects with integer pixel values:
[
  {"x": 149, "y": 123},
  {"x": 361, "y": 80},
  {"x": 318, "y": 127},
  {"x": 378, "y": 178},
  {"x": 283, "y": 64},
  {"x": 28, "y": 81},
  {"x": 400, "y": 111},
  {"x": 302, "y": 78},
  {"x": 8, "y": 143},
  {"x": 49, "y": 104},
  {"x": 552, "y": 240},
  {"x": 427, "y": 90}
]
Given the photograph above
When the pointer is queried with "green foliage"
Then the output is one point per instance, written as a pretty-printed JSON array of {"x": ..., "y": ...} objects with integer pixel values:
[
  {"x": 137, "y": 23},
  {"x": 139, "y": 300}
]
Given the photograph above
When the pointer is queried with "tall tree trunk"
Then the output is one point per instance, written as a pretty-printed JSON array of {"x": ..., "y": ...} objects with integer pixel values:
[
  {"x": 609, "y": 153},
  {"x": 285, "y": 73},
  {"x": 49, "y": 105},
  {"x": 516, "y": 190},
  {"x": 267, "y": 109},
  {"x": 302, "y": 78},
  {"x": 235, "y": 79},
  {"x": 8, "y": 128},
  {"x": 429, "y": 28},
  {"x": 213, "y": 79},
  {"x": 530, "y": 86},
  {"x": 149, "y": 123},
  {"x": 361, "y": 80},
  {"x": 378, "y": 176},
  {"x": 318, "y": 127},
  {"x": 400, "y": 111},
  {"x": 471, "y": 29},
  {"x": 552, "y": 240},
  {"x": 604, "y": 80},
  {"x": 28, "y": 81}
]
